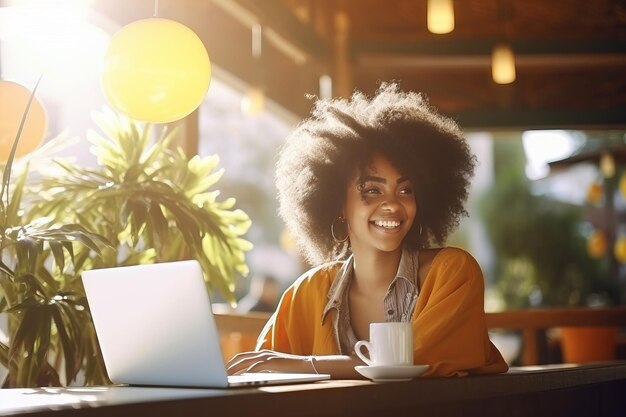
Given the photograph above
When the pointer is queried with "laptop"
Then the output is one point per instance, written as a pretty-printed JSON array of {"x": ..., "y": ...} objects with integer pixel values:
[{"x": 156, "y": 327}]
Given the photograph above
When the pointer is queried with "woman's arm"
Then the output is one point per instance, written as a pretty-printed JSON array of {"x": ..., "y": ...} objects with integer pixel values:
[
  {"x": 338, "y": 366},
  {"x": 296, "y": 328},
  {"x": 449, "y": 325}
]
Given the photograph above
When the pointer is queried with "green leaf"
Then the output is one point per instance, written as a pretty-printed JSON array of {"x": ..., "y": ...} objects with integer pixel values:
[
  {"x": 138, "y": 214},
  {"x": 5, "y": 269},
  {"x": 29, "y": 346},
  {"x": 59, "y": 257},
  {"x": 4, "y": 355},
  {"x": 14, "y": 205},
  {"x": 158, "y": 221},
  {"x": 69, "y": 338}
]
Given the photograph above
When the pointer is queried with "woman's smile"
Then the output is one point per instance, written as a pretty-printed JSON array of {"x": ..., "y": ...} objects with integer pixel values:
[{"x": 387, "y": 225}]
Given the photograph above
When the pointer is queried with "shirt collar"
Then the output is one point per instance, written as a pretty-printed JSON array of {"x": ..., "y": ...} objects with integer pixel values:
[
  {"x": 339, "y": 286},
  {"x": 409, "y": 266},
  {"x": 407, "y": 269}
]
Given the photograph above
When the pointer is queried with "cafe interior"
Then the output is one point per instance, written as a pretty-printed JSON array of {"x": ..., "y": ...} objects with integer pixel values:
[{"x": 538, "y": 88}]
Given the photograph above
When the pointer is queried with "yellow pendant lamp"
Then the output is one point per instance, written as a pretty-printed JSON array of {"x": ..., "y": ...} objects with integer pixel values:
[
  {"x": 503, "y": 64},
  {"x": 156, "y": 70},
  {"x": 440, "y": 16},
  {"x": 14, "y": 99}
]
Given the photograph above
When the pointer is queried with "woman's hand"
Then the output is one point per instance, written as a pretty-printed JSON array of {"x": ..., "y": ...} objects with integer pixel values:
[
  {"x": 269, "y": 361},
  {"x": 337, "y": 366}
]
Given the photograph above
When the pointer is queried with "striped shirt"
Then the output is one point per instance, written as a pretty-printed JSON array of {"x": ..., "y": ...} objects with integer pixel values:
[{"x": 398, "y": 303}]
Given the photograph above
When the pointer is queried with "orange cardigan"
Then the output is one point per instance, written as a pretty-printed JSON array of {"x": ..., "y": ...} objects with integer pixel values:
[{"x": 449, "y": 328}]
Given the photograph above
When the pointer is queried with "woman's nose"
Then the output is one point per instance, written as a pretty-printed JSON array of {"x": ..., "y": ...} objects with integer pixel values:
[{"x": 390, "y": 204}]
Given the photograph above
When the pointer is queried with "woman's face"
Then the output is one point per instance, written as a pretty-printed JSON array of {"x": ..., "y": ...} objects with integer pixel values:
[{"x": 379, "y": 208}]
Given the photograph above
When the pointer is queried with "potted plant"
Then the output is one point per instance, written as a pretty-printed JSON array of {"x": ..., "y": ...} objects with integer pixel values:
[
  {"x": 541, "y": 252},
  {"x": 43, "y": 307},
  {"x": 148, "y": 203}
]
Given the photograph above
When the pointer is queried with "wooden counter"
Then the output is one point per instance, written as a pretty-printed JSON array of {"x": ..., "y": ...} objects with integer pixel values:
[{"x": 568, "y": 390}]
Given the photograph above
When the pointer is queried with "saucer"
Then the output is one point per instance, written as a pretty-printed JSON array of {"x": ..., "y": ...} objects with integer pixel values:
[{"x": 391, "y": 373}]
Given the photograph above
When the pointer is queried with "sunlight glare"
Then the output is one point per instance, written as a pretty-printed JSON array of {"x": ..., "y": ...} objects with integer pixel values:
[
  {"x": 53, "y": 38},
  {"x": 543, "y": 146}
]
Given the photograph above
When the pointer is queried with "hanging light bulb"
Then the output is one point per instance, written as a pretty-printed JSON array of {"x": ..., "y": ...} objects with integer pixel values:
[
  {"x": 503, "y": 64},
  {"x": 440, "y": 16},
  {"x": 607, "y": 165},
  {"x": 253, "y": 103},
  {"x": 257, "y": 41},
  {"x": 326, "y": 87}
]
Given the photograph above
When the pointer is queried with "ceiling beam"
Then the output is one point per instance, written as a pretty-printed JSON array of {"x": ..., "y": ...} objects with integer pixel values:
[
  {"x": 383, "y": 60},
  {"x": 541, "y": 119},
  {"x": 446, "y": 47}
]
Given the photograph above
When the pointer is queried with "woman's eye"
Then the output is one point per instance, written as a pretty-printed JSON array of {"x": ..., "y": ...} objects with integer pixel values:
[
  {"x": 371, "y": 190},
  {"x": 407, "y": 191}
]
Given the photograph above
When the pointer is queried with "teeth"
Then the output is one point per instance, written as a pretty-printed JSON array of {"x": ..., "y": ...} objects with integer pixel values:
[{"x": 387, "y": 223}]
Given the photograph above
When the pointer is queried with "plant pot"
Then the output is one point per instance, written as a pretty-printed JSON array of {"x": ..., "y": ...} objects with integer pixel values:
[{"x": 588, "y": 343}]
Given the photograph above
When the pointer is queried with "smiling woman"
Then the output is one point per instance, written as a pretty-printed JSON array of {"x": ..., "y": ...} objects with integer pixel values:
[{"x": 371, "y": 188}]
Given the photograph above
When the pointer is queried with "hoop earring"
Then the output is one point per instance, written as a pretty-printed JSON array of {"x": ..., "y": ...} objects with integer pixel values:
[{"x": 332, "y": 230}]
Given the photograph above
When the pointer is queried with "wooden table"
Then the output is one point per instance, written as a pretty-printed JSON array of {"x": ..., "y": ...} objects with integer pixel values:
[{"x": 593, "y": 390}]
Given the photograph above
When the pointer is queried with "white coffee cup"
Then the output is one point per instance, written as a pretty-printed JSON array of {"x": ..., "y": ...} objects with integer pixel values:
[{"x": 390, "y": 344}]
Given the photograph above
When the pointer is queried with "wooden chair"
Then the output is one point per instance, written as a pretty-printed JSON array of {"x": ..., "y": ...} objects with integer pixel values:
[{"x": 238, "y": 331}]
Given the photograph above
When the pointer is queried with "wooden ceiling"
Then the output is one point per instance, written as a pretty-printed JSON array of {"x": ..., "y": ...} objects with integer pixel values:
[{"x": 570, "y": 54}]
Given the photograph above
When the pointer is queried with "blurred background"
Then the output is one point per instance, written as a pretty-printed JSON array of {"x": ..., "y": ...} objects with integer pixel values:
[{"x": 538, "y": 86}]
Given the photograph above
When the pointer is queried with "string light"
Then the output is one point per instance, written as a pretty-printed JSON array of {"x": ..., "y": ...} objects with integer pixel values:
[{"x": 607, "y": 165}]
